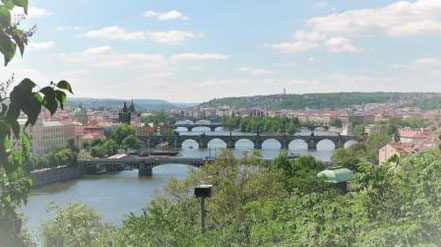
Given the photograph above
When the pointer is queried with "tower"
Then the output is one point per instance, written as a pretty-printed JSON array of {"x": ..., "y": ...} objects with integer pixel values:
[
  {"x": 124, "y": 114},
  {"x": 132, "y": 107}
]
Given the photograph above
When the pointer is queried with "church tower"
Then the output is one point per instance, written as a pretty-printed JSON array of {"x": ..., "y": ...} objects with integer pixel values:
[{"x": 124, "y": 115}]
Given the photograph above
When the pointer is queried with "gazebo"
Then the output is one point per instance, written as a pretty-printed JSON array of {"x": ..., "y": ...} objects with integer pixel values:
[{"x": 339, "y": 176}]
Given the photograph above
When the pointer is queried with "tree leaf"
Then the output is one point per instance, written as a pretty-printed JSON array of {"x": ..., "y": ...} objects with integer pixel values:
[
  {"x": 49, "y": 100},
  {"x": 23, "y": 97},
  {"x": 61, "y": 97},
  {"x": 4, "y": 108},
  {"x": 7, "y": 47},
  {"x": 8, "y": 4},
  {"x": 5, "y": 17},
  {"x": 25, "y": 143},
  {"x": 22, "y": 3},
  {"x": 65, "y": 85}
]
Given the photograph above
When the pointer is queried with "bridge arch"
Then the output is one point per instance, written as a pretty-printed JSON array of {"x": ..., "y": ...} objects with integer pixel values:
[
  {"x": 320, "y": 128},
  {"x": 244, "y": 144},
  {"x": 326, "y": 145},
  {"x": 217, "y": 143},
  {"x": 201, "y": 128},
  {"x": 190, "y": 143},
  {"x": 203, "y": 121},
  {"x": 271, "y": 144},
  {"x": 298, "y": 144},
  {"x": 181, "y": 129},
  {"x": 349, "y": 143}
]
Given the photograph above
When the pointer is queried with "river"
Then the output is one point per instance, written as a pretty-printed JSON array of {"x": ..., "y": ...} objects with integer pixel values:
[{"x": 115, "y": 196}]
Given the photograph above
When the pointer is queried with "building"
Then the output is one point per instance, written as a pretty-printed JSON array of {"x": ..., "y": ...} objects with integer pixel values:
[
  {"x": 372, "y": 129},
  {"x": 144, "y": 130},
  {"x": 124, "y": 114},
  {"x": 80, "y": 115},
  {"x": 338, "y": 176},
  {"x": 409, "y": 136},
  {"x": 45, "y": 135},
  {"x": 397, "y": 149}
]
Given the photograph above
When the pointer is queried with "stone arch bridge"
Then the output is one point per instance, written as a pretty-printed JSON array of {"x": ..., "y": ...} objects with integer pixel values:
[
  {"x": 230, "y": 140},
  {"x": 191, "y": 126}
]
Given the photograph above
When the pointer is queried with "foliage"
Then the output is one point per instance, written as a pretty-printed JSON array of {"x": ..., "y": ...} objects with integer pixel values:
[
  {"x": 254, "y": 204},
  {"x": 314, "y": 101},
  {"x": 66, "y": 156},
  {"x": 336, "y": 122},
  {"x": 123, "y": 131},
  {"x": 122, "y": 137},
  {"x": 131, "y": 142},
  {"x": 101, "y": 147},
  {"x": 14, "y": 186},
  {"x": 270, "y": 125},
  {"x": 75, "y": 225},
  {"x": 350, "y": 157}
]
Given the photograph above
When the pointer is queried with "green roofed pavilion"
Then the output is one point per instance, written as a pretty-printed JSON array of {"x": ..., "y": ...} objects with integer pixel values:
[{"x": 337, "y": 175}]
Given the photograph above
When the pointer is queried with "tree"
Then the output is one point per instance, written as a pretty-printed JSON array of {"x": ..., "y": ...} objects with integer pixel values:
[
  {"x": 75, "y": 225},
  {"x": 350, "y": 157},
  {"x": 336, "y": 122},
  {"x": 123, "y": 131},
  {"x": 14, "y": 186},
  {"x": 131, "y": 142}
]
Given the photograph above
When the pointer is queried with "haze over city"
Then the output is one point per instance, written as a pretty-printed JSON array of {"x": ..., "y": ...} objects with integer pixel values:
[{"x": 198, "y": 50}]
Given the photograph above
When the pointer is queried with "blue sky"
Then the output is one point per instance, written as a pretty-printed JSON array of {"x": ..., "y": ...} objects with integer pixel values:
[{"x": 193, "y": 51}]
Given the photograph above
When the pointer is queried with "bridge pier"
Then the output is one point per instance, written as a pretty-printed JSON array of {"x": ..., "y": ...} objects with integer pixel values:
[
  {"x": 339, "y": 144},
  {"x": 285, "y": 145},
  {"x": 230, "y": 144},
  {"x": 312, "y": 145},
  {"x": 145, "y": 170}
]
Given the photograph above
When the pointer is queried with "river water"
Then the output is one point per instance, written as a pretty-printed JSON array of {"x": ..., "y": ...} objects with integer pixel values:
[{"x": 114, "y": 196}]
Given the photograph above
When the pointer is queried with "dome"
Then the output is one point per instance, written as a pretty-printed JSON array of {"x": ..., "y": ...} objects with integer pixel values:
[
  {"x": 80, "y": 112},
  {"x": 337, "y": 174}
]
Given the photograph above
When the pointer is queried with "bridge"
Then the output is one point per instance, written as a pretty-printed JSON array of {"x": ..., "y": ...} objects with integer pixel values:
[
  {"x": 144, "y": 165},
  {"x": 231, "y": 140},
  {"x": 190, "y": 126}
]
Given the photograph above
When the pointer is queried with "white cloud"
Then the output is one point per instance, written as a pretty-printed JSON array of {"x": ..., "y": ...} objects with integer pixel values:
[
  {"x": 198, "y": 57},
  {"x": 429, "y": 63},
  {"x": 67, "y": 28},
  {"x": 303, "y": 41},
  {"x": 166, "y": 16},
  {"x": 114, "y": 33},
  {"x": 255, "y": 71},
  {"x": 40, "y": 46},
  {"x": 341, "y": 44},
  {"x": 105, "y": 56},
  {"x": 33, "y": 12},
  {"x": 172, "y": 37},
  {"x": 399, "y": 18}
]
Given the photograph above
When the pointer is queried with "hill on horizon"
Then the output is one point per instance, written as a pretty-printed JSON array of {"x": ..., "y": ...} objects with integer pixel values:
[
  {"x": 140, "y": 104},
  {"x": 327, "y": 100}
]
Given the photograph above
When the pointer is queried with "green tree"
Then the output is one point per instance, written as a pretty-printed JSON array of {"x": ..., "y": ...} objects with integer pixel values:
[
  {"x": 75, "y": 225},
  {"x": 131, "y": 142},
  {"x": 14, "y": 186},
  {"x": 123, "y": 131}
]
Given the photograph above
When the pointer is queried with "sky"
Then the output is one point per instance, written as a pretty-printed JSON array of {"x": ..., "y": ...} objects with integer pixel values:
[{"x": 194, "y": 51}]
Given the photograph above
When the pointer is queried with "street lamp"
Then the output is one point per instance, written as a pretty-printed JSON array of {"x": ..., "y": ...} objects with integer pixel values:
[{"x": 203, "y": 191}]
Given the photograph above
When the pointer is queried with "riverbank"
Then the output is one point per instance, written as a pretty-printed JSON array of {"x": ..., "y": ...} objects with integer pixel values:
[{"x": 56, "y": 175}]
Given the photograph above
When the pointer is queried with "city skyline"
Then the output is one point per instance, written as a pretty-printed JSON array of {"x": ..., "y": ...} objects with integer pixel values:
[{"x": 194, "y": 52}]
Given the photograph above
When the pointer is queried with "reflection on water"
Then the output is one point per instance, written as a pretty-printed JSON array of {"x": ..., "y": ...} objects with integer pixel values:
[{"x": 114, "y": 196}]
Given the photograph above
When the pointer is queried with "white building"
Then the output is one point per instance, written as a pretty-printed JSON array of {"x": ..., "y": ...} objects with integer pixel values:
[{"x": 45, "y": 135}]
